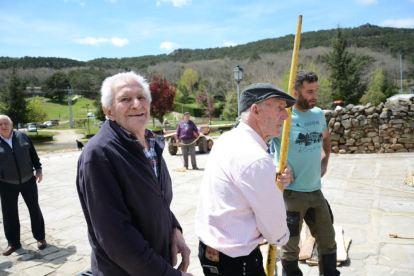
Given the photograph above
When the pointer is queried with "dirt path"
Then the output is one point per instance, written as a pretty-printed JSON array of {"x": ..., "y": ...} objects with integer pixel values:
[{"x": 64, "y": 135}]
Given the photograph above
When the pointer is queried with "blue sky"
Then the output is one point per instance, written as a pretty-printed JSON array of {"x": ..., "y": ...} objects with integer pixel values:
[{"x": 89, "y": 29}]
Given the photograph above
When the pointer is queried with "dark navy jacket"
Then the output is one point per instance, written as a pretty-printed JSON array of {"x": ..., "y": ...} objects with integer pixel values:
[
  {"x": 126, "y": 207},
  {"x": 16, "y": 165}
]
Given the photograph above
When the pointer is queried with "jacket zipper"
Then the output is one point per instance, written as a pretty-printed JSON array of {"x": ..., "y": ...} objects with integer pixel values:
[
  {"x": 17, "y": 166},
  {"x": 15, "y": 161}
]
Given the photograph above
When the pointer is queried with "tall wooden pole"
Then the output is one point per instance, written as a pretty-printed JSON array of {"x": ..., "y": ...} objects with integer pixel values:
[{"x": 271, "y": 256}]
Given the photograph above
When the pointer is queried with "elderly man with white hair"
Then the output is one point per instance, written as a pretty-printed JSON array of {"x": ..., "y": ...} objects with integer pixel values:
[
  {"x": 18, "y": 161},
  {"x": 125, "y": 188}
]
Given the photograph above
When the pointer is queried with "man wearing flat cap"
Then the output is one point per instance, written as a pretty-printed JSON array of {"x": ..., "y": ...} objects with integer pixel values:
[{"x": 240, "y": 204}]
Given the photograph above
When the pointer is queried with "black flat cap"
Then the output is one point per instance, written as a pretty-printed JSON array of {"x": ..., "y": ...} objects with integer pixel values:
[{"x": 258, "y": 92}]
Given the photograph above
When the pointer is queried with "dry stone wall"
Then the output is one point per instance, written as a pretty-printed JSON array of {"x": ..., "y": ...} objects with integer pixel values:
[{"x": 385, "y": 128}]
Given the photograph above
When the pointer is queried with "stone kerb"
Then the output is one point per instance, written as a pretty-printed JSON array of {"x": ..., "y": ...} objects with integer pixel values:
[{"x": 386, "y": 128}]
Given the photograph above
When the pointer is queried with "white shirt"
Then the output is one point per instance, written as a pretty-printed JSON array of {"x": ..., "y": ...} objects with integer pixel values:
[
  {"x": 240, "y": 203},
  {"x": 8, "y": 141}
]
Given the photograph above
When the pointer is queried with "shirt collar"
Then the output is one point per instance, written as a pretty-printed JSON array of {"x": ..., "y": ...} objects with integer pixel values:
[
  {"x": 246, "y": 128},
  {"x": 11, "y": 136},
  {"x": 148, "y": 136}
]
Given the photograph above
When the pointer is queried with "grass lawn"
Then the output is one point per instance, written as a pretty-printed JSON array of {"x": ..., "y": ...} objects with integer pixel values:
[
  {"x": 60, "y": 111},
  {"x": 41, "y": 133},
  {"x": 222, "y": 122}
]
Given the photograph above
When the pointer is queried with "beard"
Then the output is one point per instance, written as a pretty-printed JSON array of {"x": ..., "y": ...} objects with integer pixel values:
[{"x": 304, "y": 103}]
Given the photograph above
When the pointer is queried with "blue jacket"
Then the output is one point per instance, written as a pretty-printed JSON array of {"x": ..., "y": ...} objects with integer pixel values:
[{"x": 126, "y": 207}]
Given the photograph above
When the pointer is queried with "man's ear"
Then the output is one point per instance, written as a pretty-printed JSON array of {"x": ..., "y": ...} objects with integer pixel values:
[
  {"x": 296, "y": 94},
  {"x": 108, "y": 113},
  {"x": 254, "y": 110}
]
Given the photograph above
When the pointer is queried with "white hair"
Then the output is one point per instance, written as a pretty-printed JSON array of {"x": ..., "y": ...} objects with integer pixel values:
[
  {"x": 110, "y": 83},
  {"x": 245, "y": 115},
  {"x": 7, "y": 117}
]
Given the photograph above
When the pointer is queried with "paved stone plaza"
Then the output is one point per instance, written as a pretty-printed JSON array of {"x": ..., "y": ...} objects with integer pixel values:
[{"x": 367, "y": 214}]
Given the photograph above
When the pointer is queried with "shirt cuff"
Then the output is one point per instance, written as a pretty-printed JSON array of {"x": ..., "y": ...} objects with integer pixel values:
[
  {"x": 283, "y": 240},
  {"x": 38, "y": 171}
]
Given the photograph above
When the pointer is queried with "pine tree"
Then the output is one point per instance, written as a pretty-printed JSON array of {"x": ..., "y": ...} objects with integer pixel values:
[
  {"x": 346, "y": 71},
  {"x": 14, "y": 102}
]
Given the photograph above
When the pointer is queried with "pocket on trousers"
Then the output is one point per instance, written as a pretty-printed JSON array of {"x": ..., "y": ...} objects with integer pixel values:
[
  {"x": 293, "y": 219},
  {"x": 254, "y": 266},
  {"x": 288, "y": 194},
  {"x": 209, "y": 267}
]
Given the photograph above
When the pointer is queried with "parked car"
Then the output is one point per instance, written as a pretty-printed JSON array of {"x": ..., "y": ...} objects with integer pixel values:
[
  {"x": 100, "y": 123},
  {"x": 40, "y": 125},
  {"x": 32, "y": 128},
  {"x": 90, "y": 114},
  {"x": 54, "y": 122},
  {"x": 48, "y": 123}
]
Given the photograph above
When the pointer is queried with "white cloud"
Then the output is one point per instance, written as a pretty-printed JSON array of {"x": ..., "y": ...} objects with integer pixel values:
[
  {"x": 113, "y": 1},
  {"x": 178, "y": 3},
  {"x": 366, "y": 2},
  {"x": 169, "y": 46},
  {"x": 159, "y": 3},
  {"x": 118, "y": 42},
  {"x": 229, "y": 43},
  {"x": 399, "y": 23},
  {"x": 82, "y": 4}
]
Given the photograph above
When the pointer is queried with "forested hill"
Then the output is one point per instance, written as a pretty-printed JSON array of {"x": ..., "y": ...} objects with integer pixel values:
[{"x": 380, "y": 39}]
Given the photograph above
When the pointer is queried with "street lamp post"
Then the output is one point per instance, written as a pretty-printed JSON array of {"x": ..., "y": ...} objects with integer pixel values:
[
  {"x": 238, "y": 76},
  {"x": 87, "y": 116}
]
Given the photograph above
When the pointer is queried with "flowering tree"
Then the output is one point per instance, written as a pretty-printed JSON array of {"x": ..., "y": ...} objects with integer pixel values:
[
  {"x": 162, "y": 94},
  {"x": 208, "y": 103}
]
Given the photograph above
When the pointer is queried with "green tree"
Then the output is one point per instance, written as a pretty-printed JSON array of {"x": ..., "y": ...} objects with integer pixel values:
[
  {"x": 230, "y": 107},
  {"x": 14, "y": 102},
  {"x": 55, "y": 87},
  {"x": 346, "y": 70},
  {"x": 99, "y": 114},
  {"x": 86, "y": 82},
  {"x": 189, "y": 80},
  {"x": 35, "y": 111},
  {"x": 380, "y": 87},
  {"x": 324, "y": 85},
  {"x": 179, "y": 96}
]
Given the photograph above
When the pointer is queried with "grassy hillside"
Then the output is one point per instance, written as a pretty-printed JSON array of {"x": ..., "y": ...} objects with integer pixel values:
[
  {"x": 381, "y": 39},
  {"x": 60, "y": 111}
]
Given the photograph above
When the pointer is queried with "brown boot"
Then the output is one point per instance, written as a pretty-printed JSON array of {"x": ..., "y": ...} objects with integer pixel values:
[{"x": 11, "y": 248}]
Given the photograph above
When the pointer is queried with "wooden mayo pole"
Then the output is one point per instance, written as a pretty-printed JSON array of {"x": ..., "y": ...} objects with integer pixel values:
[{"x": 271, "y": 256}]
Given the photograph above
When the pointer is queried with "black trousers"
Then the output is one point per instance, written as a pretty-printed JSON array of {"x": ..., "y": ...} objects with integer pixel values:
[
  {"x": 251, "y": 265},
  {"x": 9, "y": 194}
]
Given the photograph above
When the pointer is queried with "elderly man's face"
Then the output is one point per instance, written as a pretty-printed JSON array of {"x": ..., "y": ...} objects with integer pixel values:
[
  {"x": 272, "y": 113},
  {"x": 130, "y": 107},
  {"x": 5, "y": 127},
  {"x": 187, "y": 117}
]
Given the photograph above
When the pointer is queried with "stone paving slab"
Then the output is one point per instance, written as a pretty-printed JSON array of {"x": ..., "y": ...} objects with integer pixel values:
[{"x": 366, "y": 213}]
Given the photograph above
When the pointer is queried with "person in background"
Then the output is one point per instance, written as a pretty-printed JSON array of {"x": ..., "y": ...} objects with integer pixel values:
[
  {"x": 166, "y": 122},
  {"x": 240, "y": 204},
  {"x": 80, "y": 145},
  {"x": 309, "y": 148},
  {"x": 18, "y": 161},
  {"x": 125, "y": 189},
  {"x": 187, "y": 133}
]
